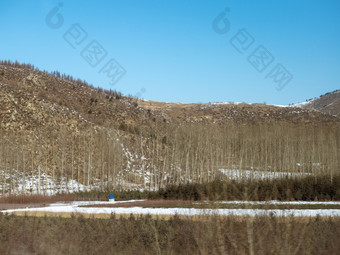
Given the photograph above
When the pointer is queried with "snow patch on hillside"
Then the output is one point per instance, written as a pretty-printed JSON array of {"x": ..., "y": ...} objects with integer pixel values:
[
  {"x": 17, "y": 182},
  {"x": 303, "y": 104},
  {"x": 235, "y": 174}
]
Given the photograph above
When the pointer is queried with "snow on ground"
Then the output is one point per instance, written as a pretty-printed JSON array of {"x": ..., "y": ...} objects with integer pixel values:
[
  {"x": 275, "y": 202},
  {"x": 279, "y": 105},
  {"x": 16, "y": 182},
  {"x": 254, "y": 174},
  {"x": 303, "y": 104},
  {"x": 225, "y": 103},
  {"x": 73, "y": 207}
]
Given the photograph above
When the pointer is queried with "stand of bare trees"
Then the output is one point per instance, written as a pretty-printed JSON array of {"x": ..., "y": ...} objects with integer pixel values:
[{"x": 192, "y": 152}]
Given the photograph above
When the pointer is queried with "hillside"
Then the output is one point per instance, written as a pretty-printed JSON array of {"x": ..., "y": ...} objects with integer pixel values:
[
  {"x": 64, "y": 129},
  {"x": 328, "y": 103},
  {"x": 35, "y": 100},
  {"x": 234, "y": 112}
]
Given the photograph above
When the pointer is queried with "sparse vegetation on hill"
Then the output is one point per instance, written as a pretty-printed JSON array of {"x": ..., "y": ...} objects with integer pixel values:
[
  {"x": 103, "y": 140},
  {"x": 328, "y": 103}
]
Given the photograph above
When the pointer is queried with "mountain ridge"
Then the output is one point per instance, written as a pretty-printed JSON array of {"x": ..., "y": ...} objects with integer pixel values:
[
  {"x": 101, "y": 107},
  {"x": 328, "y": 103}
]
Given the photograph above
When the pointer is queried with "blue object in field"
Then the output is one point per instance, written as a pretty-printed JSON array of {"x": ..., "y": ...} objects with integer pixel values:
[{"x": 111, "y": 196}]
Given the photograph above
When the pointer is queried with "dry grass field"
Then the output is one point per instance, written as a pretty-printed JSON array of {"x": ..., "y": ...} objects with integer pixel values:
[{"x": 175, "y": 235}]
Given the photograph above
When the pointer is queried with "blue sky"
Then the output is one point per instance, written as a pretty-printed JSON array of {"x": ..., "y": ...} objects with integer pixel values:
[{"x": 171, "y": 51}]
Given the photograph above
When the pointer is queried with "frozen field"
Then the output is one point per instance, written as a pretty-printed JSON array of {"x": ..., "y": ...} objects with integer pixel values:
[{"x": 75, "y": 207}]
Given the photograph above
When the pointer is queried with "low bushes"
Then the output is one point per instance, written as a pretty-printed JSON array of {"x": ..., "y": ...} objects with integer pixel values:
[{"x": 147, "y": 235}]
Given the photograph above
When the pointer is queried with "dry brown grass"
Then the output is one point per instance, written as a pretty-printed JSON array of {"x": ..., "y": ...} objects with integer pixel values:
[
  {"x": 19, "y": 206},
  {"x": 118, "y": 216},
  {"x": 202, "y": 218},
  {"x": 131, "y": 234},
  {"x": 36, "y": 199}
]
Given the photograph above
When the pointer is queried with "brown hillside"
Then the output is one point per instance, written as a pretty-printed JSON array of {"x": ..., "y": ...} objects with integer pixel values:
[
  {"x": 68, "y": 129},
  {"x": 328, "y": 103},
  {"x": 35, "y": 100}
]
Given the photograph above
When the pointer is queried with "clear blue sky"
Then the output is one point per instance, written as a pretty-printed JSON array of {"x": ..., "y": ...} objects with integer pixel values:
[{"x": 171, "y": 51}]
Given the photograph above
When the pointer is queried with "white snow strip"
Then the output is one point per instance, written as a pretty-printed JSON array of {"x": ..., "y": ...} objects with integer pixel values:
[
  {"x": 73, "y": 207},
  {"x": 254, "y": 174},
  {"x": 275, "y": 202},
  {"x": 301, "y": 104},
  {"x": 279, "y": 105},
  {"x": 225, "y": 103}
]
